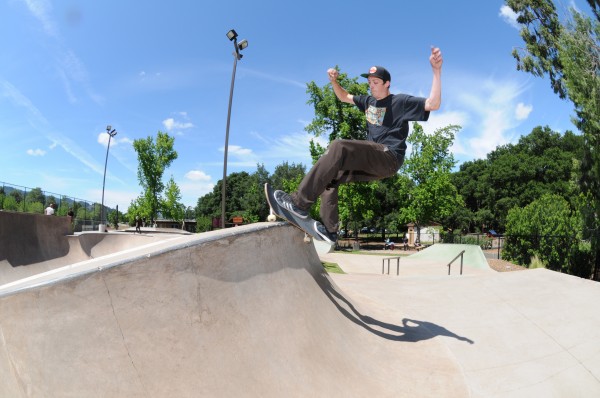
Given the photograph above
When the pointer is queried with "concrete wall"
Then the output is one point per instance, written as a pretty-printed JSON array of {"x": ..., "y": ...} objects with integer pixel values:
[{"x": 27, "y": 238}]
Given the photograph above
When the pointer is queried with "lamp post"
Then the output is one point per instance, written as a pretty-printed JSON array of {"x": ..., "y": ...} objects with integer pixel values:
[
  {"x": 111, "y": 133},
  {"x": 231, "y": 35}
]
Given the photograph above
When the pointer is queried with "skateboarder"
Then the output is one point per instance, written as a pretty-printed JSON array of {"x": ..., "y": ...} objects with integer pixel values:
[{"x": 377, "y": 157}]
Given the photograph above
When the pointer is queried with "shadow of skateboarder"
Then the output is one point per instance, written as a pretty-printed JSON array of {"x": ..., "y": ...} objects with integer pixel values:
[{"x": 411, "y": 330}]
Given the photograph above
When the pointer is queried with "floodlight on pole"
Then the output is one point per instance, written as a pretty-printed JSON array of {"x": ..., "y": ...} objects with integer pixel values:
[
  {"x": 111, "y": 133},
  {"x": 231, "y": 35}
]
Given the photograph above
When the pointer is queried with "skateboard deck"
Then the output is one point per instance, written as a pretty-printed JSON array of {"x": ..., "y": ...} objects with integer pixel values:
[{"x": 304, "y": 224}]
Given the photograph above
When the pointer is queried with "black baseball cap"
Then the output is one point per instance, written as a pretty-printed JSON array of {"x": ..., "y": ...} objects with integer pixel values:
[{"x": 380, "y": 72}]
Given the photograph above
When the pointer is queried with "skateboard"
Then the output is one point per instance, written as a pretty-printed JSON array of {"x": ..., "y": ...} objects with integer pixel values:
[{"x": 306, "y": 225}]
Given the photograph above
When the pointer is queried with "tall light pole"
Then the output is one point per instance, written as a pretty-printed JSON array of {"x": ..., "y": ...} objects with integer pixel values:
[
  {"x": 111, "y": 133},
  {"x": 231, "y": 35}
]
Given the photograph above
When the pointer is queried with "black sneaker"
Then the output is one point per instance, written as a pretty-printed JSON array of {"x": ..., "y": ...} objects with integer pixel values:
[
  {"x": 285, "y": 200},
  {"x": 329, "y": 237}
]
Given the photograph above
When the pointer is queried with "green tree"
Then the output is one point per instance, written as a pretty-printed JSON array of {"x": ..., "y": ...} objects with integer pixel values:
[
  {"x": 287, "y": 177},
  {"x": 569, "y": 53},
  {"x": 153, "y": 160},
  {"x": 17, "y": 195},
  {"x": 433, "y": 196},
  {"x": 244, "y": 197},
  {"x": 10, "y": 203},
  {"x": 35, "y": 207},
  {"x": 357, "y": 201},
  {"x": 35, "y": 195},
  {"x": 138, "y": 208},
  {"x": 517, "y": 174},
  {"x": 245, "y": 194},
  {"x": 253, "y": 205},
  {"x": 547, "y": 228},
  {"x": 209, "y": 205},
  {"x": 389, "y": 196},
  {"x": 171, "y": 207}
]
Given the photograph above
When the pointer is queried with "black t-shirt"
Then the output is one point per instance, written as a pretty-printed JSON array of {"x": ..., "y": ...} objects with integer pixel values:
[{"x": 387, "y": 119}]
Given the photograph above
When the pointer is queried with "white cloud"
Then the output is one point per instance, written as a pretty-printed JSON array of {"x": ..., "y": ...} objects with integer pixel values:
[
  {"x": 7, "y": 90},
  {"x": 509, "y": 16},
  {"x": 244, "y": 156},
  {"x": 72, "y": 70},
  {"x": 191, "y": 191},
  {"x": 80, "y": 154},
  {"x": 41, "y": 10},
  {"x": 171, "y": 124},
  {"x": 117, "y": 139},
  {"x": 489, "y": 111},
  {"x": 236, "y": 150},
  {"x": 36, "y": 152},
  {"x": 197, "y": 175},
  {"x": 445, "y": 119},
  {"x": 522, "y": 111},
  {"x": 103, "y": 140}
]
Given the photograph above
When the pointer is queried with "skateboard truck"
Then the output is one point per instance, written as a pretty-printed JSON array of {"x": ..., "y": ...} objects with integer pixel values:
[
  {"x": 307, "y": 238},
  {"x": 271, "y": 217}
]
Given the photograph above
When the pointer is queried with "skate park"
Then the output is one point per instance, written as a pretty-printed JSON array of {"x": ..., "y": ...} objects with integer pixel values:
[{"x": 250, "y": 311}]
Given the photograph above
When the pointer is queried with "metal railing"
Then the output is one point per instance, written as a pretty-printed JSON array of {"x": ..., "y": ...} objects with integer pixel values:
[
  {"x": 397, "y": 258},
  {"x": 461, "y": 255}
]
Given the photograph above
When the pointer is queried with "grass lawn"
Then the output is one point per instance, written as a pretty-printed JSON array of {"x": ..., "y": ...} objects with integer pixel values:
[{"x": 332, "y": 268}]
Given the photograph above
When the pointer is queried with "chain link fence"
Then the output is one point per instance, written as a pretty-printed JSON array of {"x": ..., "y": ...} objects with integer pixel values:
[{"x": 86, "y": 214}]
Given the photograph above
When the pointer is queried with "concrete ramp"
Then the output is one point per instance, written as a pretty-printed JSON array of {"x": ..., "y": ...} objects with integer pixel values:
[
  {"x": 27, "y": 238},
  {"x": 243, "y": 312},
  {"x": 73, "y": 249},
  {"x": 473, "y": 256},
  {"x": 430, "y": 262}
]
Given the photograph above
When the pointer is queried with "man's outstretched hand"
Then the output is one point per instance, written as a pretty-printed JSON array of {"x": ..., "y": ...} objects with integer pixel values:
[{"x": 435, "y": 58}]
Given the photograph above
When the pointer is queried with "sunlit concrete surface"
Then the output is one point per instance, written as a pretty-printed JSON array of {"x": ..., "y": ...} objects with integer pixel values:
[{"x": 248, "y": 311}]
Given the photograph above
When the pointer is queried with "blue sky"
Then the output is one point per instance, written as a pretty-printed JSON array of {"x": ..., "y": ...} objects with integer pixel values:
[{"x": 70, "y": 68}]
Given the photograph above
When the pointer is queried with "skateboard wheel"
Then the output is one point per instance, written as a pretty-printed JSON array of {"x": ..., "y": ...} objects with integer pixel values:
[
  {"x": 271, "y": 217},
  {"x": 306, "y": 238}
]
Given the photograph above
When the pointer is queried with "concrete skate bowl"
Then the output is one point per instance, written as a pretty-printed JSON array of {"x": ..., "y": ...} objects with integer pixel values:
[
  {"x": 70, "y": 249},
  {"x": 245, "y": 312}
]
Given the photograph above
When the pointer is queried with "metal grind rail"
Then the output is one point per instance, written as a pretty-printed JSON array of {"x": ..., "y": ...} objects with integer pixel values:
[
  {"x": 461, "y": 255},
  {"x": 397, "y": 258}
]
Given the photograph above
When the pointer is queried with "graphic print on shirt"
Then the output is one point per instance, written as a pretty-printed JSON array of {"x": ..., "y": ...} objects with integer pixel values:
[{"x": 375, "y": 115}]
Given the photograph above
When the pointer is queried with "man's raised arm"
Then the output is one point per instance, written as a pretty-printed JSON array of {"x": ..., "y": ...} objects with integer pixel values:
[
  {"x": 339, "y": 91},
  {"x": 435, "y": 96}
]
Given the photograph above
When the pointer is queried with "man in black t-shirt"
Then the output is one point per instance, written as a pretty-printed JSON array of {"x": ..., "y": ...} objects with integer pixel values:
[{"x": 377, "y": 157}]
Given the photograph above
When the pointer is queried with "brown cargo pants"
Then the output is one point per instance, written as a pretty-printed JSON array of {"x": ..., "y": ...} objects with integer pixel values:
[{"x": 344, "y": 161}]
